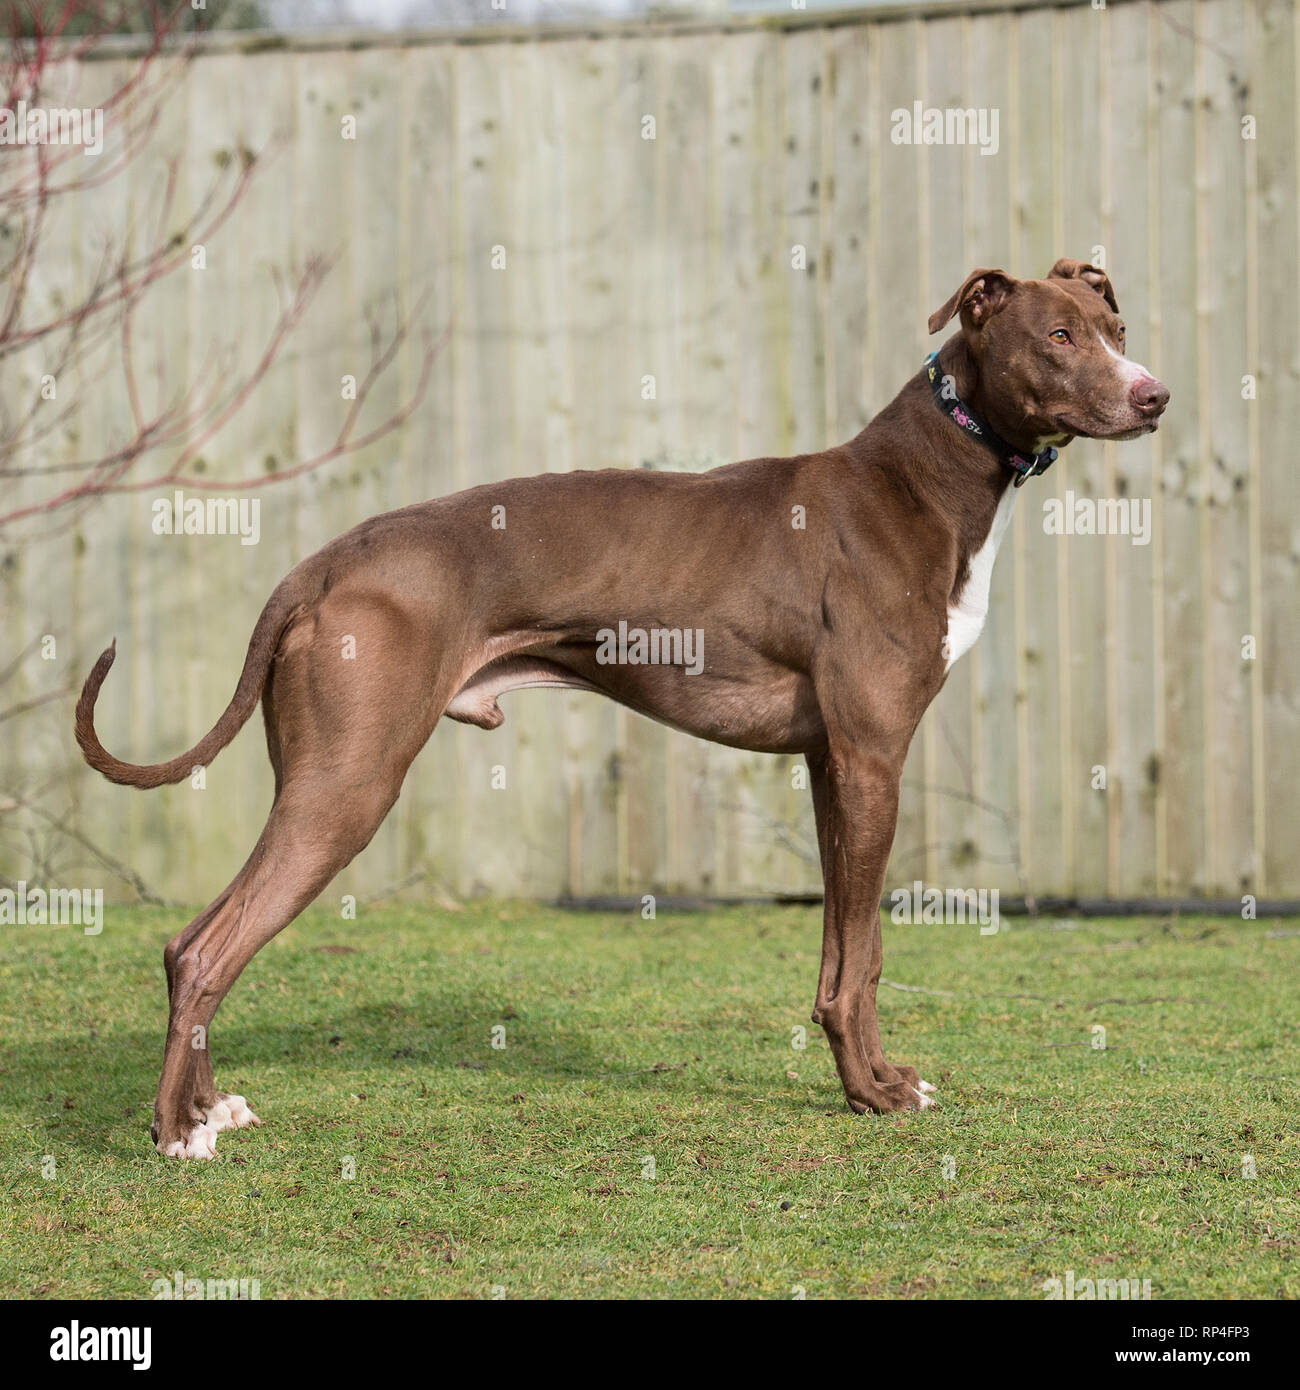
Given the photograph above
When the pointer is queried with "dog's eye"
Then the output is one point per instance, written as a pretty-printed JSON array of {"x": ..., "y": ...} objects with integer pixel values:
[{"x": 1059, "y": 335}]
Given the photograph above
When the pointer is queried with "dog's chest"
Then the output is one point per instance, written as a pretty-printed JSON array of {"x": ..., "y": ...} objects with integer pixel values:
[{"x": 966, "y": 616}]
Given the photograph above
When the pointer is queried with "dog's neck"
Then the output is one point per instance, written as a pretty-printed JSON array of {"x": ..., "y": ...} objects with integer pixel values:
[
  {"x": 923, "y": 450},
  {"x": 957, "y": 362},
  {"x": 913, "y": 446}
]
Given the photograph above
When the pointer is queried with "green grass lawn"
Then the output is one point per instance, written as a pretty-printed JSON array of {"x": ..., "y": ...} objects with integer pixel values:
[{"x": 526, "y": 1170}]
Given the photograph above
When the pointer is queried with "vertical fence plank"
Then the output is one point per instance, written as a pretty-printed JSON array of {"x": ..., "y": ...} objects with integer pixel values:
[
  {"x": 1278, "y": 666},
  {"x": 1044, "y": 733},
  {"x": 595, "y": 170},
  {"x": 1128, "y": 226},
  {"x": 647, "y": 797},
  {"x": 1221, "y": 183},
  {"x": 988, "y": 236},
  {"x": 433, "y": 794},
  {"x": 900, "y": 304},
  {"x": 948, "y": 727},
  {"x": 1181, "y": 481},
  {"x": 1082, "y": 470}
]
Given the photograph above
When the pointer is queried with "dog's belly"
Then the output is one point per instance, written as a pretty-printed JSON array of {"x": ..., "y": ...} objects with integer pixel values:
[{"x": 756, "y": 705}]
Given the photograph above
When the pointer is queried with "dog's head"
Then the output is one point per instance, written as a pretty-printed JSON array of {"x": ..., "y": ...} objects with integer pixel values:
[{"x": 1050, "y": 354}]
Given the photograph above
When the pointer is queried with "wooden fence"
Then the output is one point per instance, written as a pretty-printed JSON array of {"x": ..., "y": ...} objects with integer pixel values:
[{"x": 769, "y": 258}]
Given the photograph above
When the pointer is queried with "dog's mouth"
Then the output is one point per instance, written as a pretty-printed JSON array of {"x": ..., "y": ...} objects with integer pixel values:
[
  {"x": 1146, "y": 427},
  {"x": 1111, "y": 435}
]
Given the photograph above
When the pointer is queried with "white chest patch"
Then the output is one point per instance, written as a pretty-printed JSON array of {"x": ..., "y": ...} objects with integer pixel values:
[{"x": 966, "y": 616}]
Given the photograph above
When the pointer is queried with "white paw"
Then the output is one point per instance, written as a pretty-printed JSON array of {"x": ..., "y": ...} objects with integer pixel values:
[
  {"x": 927, "y": 1088},
  {"x": 230, "y": 1112},
  {"x": 200, "y": 1142},
  {"x": 240, "y": 1115},
  {"x": 923, "y": 1101},
  {"x": 218, "y": 1117}
]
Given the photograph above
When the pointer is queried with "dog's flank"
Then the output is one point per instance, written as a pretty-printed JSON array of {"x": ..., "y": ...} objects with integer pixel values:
[{"x": 836, "y": 589}]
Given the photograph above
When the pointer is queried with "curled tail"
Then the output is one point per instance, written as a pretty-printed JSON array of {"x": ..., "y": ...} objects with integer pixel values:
[{"x": 275, "y": 617}]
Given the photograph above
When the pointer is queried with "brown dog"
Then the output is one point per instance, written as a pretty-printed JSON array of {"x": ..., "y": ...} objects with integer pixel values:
[{"x": 833, "y": 590}]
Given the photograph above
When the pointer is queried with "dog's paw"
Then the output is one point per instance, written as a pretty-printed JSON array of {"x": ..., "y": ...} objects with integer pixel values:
[
  {"x": 924, "y": 1094},
  {"x": 229, "y": 1112},
  {"x": 200, "y": 1142}
]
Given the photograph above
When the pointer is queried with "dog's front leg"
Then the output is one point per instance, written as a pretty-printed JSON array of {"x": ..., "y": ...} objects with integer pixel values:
[{"x": 855, "y": 797}]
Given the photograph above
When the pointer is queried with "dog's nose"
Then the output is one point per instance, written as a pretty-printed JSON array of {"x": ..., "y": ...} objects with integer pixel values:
[{"x": 1149, "y": 395}]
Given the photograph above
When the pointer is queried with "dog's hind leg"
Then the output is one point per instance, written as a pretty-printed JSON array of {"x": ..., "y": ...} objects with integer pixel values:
[
  {"x": 221, "y": 1110},
  {"x": 205, "y": 1094},
  {"x": 344, "y": 730},
  {"x": 316, "y": 827}
]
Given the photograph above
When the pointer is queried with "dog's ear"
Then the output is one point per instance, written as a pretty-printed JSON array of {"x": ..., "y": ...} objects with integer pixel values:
[
  {"x": 982, "y": 294},
  {"x": 1066, "y": 269}
]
